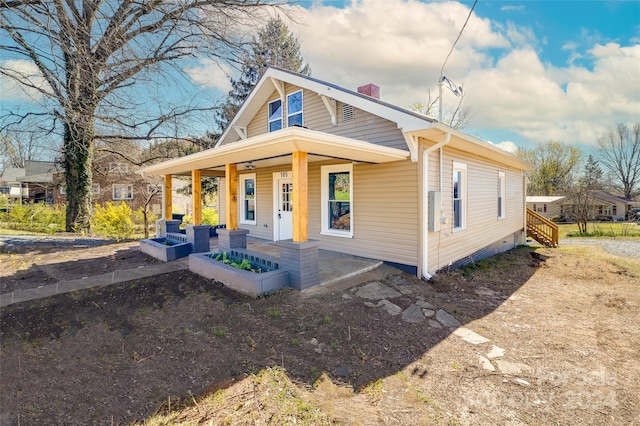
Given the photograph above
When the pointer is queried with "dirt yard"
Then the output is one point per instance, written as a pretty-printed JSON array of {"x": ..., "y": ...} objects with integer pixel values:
[{"x": 548, "y": 336}]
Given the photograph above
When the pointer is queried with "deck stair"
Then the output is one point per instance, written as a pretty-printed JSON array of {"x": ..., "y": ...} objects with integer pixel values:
[{"x": 542, "y": 229}]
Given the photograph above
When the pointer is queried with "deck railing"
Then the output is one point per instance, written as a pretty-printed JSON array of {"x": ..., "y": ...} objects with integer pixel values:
[{"x": 542, "y": 229}]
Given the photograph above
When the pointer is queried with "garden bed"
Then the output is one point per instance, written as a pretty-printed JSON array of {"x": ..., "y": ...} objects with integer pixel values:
[
  {"x": 165, "y": 249},
  {"x": 265, "y": 277}
]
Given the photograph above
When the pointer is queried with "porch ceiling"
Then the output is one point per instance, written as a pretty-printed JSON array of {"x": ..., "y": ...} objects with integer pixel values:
[{"x": 275, "y": 148}]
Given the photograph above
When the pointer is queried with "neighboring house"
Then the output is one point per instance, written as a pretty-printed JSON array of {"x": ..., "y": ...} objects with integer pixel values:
[
  {"x": 308, "y": 161},
  {"x": 605, "y": 206},
  {"x": 546, "y": 206},
  {"x": 115, "y": 181},
  {"x": 33, "y": 183}
]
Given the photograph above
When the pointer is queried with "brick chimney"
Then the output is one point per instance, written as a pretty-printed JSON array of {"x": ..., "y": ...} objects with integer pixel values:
[{"x": 370, "y": 90}]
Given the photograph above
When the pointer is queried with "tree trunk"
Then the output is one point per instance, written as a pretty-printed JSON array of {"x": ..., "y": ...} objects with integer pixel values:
[
  {"x": 145, "y": 215},
  {"x": 78, "y": 158}
]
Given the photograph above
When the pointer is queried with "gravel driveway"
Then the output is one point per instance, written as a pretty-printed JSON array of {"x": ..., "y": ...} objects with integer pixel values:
[{"x": 619, "y": 247}]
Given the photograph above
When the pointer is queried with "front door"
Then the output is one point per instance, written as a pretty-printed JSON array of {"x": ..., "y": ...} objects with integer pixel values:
[{"x": 284, "y": 206}]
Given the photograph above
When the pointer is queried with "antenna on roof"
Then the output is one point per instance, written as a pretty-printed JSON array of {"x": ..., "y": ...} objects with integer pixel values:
[{"x": 455, "y": 89}]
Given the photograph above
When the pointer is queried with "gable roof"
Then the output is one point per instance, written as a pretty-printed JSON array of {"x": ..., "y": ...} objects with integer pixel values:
[
  {"x": 270, "y": 149},
  {"x": 413, "y": 125},
  {"x": 406, "y": 120},
  {"x": 613, "y": 199}
]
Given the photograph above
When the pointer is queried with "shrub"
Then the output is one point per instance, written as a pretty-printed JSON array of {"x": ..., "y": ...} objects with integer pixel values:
[
  {"x": 38, "y": 217},
  {"x": 209, "y": 217},
  {"x": 113, "y": 221}
]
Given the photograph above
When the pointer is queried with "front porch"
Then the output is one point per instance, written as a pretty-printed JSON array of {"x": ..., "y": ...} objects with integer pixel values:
[
  {"x": 285, "y": 155},
  {"x": 333, "y": 267}
]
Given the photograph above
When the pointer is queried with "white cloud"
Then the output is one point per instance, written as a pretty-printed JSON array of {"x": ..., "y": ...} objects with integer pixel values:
[
  {"x": 211, "y": 74},
  {"x": 506, "y": 145},
  {"x": 22, "y": 70},
  {"x": 399, "y": 48},
  {"x": 507, "y": 85},
  {"x": 510, "y": 8}
]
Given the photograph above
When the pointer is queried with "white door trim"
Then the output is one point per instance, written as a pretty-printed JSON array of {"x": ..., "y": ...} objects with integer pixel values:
[{"x": 286, "y": 174}]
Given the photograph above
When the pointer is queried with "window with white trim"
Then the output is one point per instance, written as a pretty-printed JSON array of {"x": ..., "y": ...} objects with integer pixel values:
[
  {"x": 294, "y": 109},
  {"x": 63, "y": 190},
  {"x": 459, "y": 196},
  {"x": 122, "y": 191},
  {"x": 274, "y": 114},
  {"x": 337, "y": 200},
  {"x": 95, "y": 188},
  {"x": 248, "y": 198},
  {"x": 502, "y": 189}
]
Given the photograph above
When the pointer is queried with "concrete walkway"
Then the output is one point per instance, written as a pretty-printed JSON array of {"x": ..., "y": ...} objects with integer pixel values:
[
  {"x": 103, "y": 280},
  {"x": 336, "y": 269}
]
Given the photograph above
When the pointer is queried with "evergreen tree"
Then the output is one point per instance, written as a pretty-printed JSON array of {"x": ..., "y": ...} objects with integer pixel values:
[
  {"x": 592, "y": 177},
  {"x": 274, "y": 45}
]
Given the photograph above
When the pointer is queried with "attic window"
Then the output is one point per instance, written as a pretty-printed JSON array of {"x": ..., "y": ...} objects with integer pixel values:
[{"x": 347, "y": 113}]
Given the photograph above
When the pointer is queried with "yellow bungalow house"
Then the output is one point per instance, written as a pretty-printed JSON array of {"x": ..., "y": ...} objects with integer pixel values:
[{"x": 309, "y": 164}]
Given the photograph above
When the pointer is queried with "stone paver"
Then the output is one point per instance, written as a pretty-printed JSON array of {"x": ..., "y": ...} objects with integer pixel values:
[
  {"x": 513, "y": 368},
  {"x": 446, "y": 319},
  {"x": 470, "y": 336},
  {"x": 390, "y": 308},
  {"x": 495, "y": 352},
  {"x": 376, "y": 291},
  {"x": 486, "y": 364},
  {"x": 413, "y": 314},
  {"x": 434, "y": 324},
  {"x": 425, "y": 305}
]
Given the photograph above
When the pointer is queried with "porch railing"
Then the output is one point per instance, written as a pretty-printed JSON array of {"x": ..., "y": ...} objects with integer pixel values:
[{"x": 542, "y": 229}]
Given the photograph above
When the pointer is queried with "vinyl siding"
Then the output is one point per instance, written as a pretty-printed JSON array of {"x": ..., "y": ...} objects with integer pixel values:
[
  {"x": 365, "y": 126},
  {"x": 384, "y": 211},
  {"x": 385, "y": 214},
  {"x": 553, "y": 209},
  {"x": 483, "y": 228}
]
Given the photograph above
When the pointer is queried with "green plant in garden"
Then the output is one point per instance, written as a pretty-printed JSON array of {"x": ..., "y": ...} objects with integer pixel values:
[{"x": 243, "y": 264}]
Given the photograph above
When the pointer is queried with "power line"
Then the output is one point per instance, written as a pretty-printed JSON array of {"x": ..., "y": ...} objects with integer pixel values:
[{"x": 458, "y": 38}]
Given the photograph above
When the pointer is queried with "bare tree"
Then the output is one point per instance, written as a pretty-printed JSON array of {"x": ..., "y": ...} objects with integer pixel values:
[
  {"x": 148, "y": 193},
  {"x": 619, "y": 151},
  {"x": 93, "y": 59},
  {"x": 582, "y": 194},
  {"x": 28, "y": 142},
  {"x": 458, "y": 119},
  {"x": 581, "y": 209}
]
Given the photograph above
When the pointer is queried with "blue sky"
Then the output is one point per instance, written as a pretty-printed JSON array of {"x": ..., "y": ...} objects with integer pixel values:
[{"x": 532, "y": 70}]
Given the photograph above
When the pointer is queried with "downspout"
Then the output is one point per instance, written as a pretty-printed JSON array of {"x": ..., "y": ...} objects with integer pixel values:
[{"x": 425, "y": 157}]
